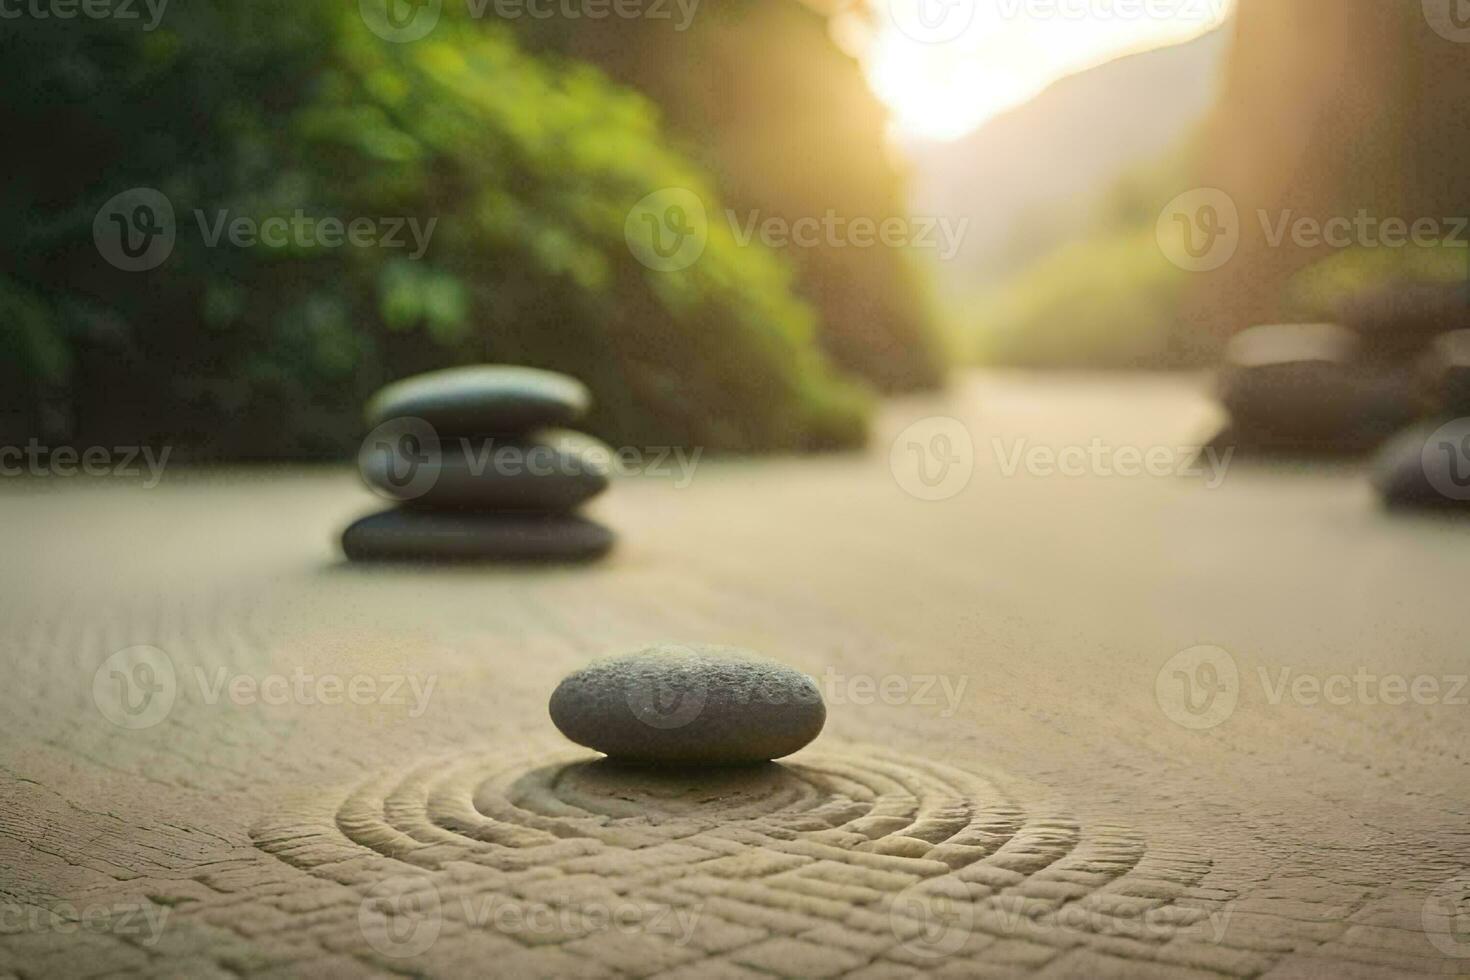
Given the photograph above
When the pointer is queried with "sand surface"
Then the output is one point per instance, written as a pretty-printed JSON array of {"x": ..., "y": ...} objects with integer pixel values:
[{"x": 1072, "y": 728}]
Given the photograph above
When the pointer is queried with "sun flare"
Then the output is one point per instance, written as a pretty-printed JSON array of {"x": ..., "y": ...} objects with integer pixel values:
[{"x": 940, "y": 85}]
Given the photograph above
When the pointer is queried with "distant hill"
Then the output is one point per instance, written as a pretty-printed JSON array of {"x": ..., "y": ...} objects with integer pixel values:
[{"x": 1026, "y": 178}]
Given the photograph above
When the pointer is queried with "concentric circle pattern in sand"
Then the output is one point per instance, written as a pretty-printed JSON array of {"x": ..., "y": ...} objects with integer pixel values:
[{"x": 835, "y": 862}]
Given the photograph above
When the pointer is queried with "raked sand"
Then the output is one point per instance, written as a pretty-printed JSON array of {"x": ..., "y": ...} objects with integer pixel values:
[{"x": 1079, "y": 725}]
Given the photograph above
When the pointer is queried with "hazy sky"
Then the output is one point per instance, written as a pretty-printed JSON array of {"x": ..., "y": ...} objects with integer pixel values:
[{"x": 946, "y": 66}]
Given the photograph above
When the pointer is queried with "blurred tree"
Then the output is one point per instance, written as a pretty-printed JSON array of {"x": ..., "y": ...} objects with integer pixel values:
[
  {"x": 760, "y": 95},
  {"x": 1329, "y": 107},
  {"x": 263, "y": 109}
]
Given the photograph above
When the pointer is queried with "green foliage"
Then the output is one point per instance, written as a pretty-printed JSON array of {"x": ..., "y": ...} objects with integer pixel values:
[
  {"x": 1319, "y": 290},
  {"x": 1107, "y": 297},
  {"x": 527, "y": 165},
  {"x": 747, "y": 87},
  {"x": 1103, "y": 302}
]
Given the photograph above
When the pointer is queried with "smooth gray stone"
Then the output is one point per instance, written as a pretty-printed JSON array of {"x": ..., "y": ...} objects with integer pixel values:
[
  {"x": 1446, "y": 369},
  {"x": 420, "y": 535},
  {"x": 1299, "y": 388},
  {"x": 485, "y": 399},
  {"x": 1398, "y": 320},
  {"x": 1402, "y": 470},
  {"x": 689, "y": 705},
  {"x": 548, "y": 472}
]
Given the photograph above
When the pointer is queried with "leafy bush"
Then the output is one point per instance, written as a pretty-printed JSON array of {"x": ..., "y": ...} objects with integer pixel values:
[
  {"x": 530, "y": 166},
  {"x": 1319, "y": 290},
  {"x": 785, "y": 92}
]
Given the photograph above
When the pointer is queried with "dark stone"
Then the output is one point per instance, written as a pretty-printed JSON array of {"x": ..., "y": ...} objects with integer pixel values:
[
  {"x": 689, "y": 705},
  {"x": 550, "y": 472},
  {"x": 483, "y": 400},
  {"x": 1427, "y": 467},
  {"x": 418, "y": 535},
  {"x": 1399, "y": 320},
  {"x": 1299, "y": 388},
  {"x": 1447, "y": 373}
]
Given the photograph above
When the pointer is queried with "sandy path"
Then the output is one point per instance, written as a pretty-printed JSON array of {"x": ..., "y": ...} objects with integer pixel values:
[{"x": 1001, "y": 788}]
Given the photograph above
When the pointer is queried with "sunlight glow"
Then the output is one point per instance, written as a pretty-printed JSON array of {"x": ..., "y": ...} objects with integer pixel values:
[{"x": 942, "y": 78}]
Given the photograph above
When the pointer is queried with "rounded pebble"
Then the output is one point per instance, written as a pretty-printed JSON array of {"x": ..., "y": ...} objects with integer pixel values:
[
  {"x": 485, "y": 399},
  {"x": 549, "y": 472},
  {"x": 689, "y": 705},
  {"x": 420, "y": 535}
]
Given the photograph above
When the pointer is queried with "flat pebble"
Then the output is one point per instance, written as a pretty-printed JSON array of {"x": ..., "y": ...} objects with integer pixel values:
[
  {"x": 550, "y": 472},
  {"x": 1300, "y": 387},
  {"x": 420, "y": 535},
  {"x": 689, "y": 705},
  {"x": 487, "y": 399}
]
